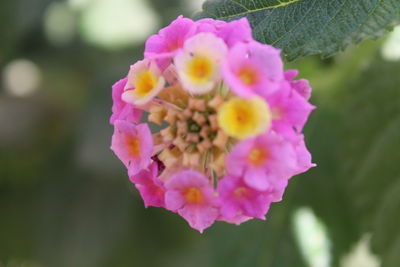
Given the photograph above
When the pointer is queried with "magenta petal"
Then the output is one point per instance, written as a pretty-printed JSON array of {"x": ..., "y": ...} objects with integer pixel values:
[
  {"x": 150, "y": 187},
  {"x": 257, "y": 179},
  {"x": 174, "y": 200},
  {"x": 302, "y": 87},
  {"x": 199, "y": 217},
  {"x": 263, "y": 66},
  {"x": 169, "y": 40},
  {"x": 237, "y": 199},
  {"x": 201, "y": 210},
  {"x": 290, "y": 74},
  {"x": 236, "y": 31}
]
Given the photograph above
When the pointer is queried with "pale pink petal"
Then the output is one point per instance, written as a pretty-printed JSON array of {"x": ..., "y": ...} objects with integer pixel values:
[{"x": 120, "y": 109}]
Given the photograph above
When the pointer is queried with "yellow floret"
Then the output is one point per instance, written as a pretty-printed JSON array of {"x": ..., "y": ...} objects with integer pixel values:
[
  {"x": 243, "y": 118},
  {"x": 200, "y": 69},
  {"x": 145, "y": 83}
]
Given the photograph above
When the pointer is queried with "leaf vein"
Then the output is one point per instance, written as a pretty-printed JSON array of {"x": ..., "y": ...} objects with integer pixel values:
[
  {"x": 297, "y": 24},
  {"x": 248, "y": 11}
]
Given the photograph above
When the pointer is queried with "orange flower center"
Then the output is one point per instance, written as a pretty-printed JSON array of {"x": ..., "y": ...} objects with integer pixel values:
[
  {"x": 257, "y": 156},
  {"x": 200, "y": 68},
  {"x": 134, "y": 146},
  {"x": 248, "y": 75},
  {"x": 145, "y": 83},
  {"x": 240, "y": 192},
  {"x": 193, "y": 195}
]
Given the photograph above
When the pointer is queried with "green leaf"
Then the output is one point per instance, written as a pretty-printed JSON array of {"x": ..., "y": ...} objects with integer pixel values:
[{"x": 306, "y": 27}]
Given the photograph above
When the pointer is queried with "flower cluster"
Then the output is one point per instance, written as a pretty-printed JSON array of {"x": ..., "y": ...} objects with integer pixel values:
[{"x": 230, "y": 117}]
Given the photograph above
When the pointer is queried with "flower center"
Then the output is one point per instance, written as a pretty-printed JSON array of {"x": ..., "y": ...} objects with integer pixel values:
[
  {"x": 193, "y": 195},
  {"x": 145, "y": 83},
  {"x": 193, "y": 138},
  {"x": 242, "y": 118},
  {"x": 257, "y": 156},
  {"x": 134, "y": 146},
  {"x": 240, "y": 192},
  {"x": 248, "y": 75},
  {"x": 200, "y": 68}
]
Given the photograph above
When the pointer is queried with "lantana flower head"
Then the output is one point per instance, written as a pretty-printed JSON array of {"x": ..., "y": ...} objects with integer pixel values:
[{"x": 230, "y": 121}]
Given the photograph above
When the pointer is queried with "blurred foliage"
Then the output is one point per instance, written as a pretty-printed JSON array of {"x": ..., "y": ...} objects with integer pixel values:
[{"x": 66, "y": 201}]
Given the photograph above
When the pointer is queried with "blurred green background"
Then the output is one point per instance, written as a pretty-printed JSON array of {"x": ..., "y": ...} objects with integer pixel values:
[{"x": 65, "y": 199}]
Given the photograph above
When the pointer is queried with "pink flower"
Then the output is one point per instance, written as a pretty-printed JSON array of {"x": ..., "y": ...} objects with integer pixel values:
[
  {"x": 120, "y": 109},
  {"x": 233, "y": 32},
  {"x": 150, "y": 187},
  {"x": 199, "y": 63},
  {"x": 133, "y": 145},
  {"x": 289, "y": 110},
  {"x": 231, "y": 122},
  {"x": 145, "y": 81},
  {"x": 304, "y": 162},
  {"x": 191, "y": 195},
  {"x": 239, "y": 219},
  {"x": 169, "y": 40},
  {"x": 238, "y": 200},
  {"x": 253, "y": 69},
  {"x": 302, "y": 86},
  {"x": 209, "y": 25},
  {"x": 265, "y": 162}
]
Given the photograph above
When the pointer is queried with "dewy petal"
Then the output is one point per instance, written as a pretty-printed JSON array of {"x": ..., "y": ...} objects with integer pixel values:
[
  {"x": 133, "y": 145},
  {"x": 199, "y": 63},
  {"x": 144, "y": 83},
  {"x": 120, "y": 109}
]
